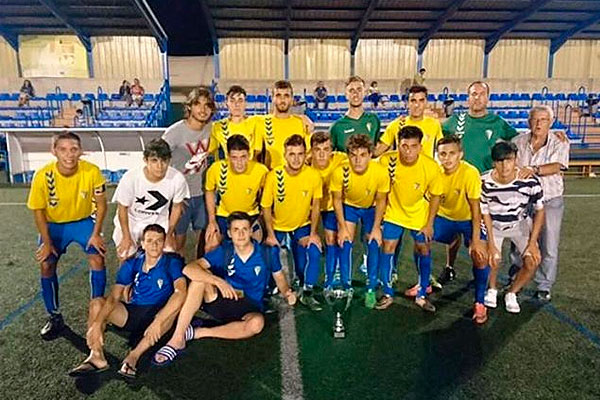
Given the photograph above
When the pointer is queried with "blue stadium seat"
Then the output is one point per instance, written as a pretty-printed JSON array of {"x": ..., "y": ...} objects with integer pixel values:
[
  {"x": 261, "y": 98},
  {"x": 148, "y": 97},
  {"x": 431, "y": 97},
  {"x": 394, "y": 98},
  {"x": 560, "y": 96},
  {"x": 494, "y": 97},
  {"x": 524, "y": 97},
  {"x": 104, "y": 97},
  {"x": 252, "y": 98},
  {"x": 504, "y": 97},
  {"x": 220, "y": 97},
  {"x": 537, "y": 97},
  {"x": 309, "y": 98},
  {"x": 75, "y": 97},
  {"x": 341, "y": 98}
]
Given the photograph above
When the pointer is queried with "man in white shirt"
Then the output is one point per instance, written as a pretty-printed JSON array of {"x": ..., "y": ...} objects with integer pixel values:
[{"x": 143, "y": 197}]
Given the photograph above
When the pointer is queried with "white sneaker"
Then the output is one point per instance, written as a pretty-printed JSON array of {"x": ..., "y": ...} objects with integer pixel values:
[
  {"x": 511, "y": 303},
  {"x": 491, "y": 298}
]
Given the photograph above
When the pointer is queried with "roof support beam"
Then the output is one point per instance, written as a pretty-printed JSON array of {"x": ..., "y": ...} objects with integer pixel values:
[
  {"x": 210, "y": 23},
  {"x": 424, "y": 40},
  {"x": 157, "y": 30},
  {"x": 361, "y": 26},
  {"x": 11, "y": 37},
  {"x": 286, "y": 41},
  {"x": 557, "y": 43},
  {"x": 492, "y": 40},
  {"x": 63, "y": 17}
]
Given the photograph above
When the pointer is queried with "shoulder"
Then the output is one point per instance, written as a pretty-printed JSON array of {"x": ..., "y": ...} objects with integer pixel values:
[
  {"x": 87, "y": 167},
  {"x": 257, "y": 168},
  {"x": 173, "y": 129}
]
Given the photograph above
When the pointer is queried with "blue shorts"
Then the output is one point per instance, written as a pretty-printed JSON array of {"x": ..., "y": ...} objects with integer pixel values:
[
  {"x": 329, "y": 220},
  {"x": 446, "y": 230},
  {"x": 194, "y": 213},
  {"x": 393, "y": 231},
  {"x": 365, "y": 215},
  {"x": 63, "y": 234},
  {"x": 222, "y": 223}
]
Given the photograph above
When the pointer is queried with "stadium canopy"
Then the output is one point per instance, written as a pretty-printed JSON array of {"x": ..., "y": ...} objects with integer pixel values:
[{"x": 84, "y": 18}]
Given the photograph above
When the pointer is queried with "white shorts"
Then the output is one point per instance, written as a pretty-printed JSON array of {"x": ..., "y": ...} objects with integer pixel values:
[
  {"x": 519, "y": 235},
  {"x": 136, "y": 233}
]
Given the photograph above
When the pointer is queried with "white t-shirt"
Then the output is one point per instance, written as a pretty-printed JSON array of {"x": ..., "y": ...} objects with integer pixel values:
[{"x": 148, "y": 202}]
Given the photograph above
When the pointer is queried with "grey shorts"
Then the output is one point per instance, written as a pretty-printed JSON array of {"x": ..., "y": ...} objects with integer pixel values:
[
  {"x": 194, "y": 213},
  {"x": 518, "y": 235}
]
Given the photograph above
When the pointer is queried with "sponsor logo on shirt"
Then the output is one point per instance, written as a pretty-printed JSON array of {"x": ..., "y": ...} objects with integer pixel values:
[
  {"x": 489, "y": 133},
  {"x": 159, "y": 283},
  {"x": 349, "y": 130},
  {"x": 257, "y": 270}
]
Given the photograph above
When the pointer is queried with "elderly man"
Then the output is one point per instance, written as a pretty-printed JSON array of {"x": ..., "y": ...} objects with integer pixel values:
[{"x": 546, "y": 156}]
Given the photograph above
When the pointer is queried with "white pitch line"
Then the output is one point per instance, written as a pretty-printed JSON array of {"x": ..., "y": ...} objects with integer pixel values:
[
  {"x": 582, "y": 195},
  {"x": 12, "y": 204}
]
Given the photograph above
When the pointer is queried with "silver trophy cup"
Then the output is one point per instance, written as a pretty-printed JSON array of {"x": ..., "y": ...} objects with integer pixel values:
[{"x": 339, "y": 300}]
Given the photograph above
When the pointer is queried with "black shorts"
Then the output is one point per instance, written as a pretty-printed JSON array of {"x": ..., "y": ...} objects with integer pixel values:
[
  {"x": 229, "y": 310},
  {"x": 139, "y": 317}
]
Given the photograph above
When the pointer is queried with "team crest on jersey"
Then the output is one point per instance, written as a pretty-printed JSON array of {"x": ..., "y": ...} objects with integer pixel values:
[
  {"x": 248, "y": 190},
  {"x": 159, "y": 283},
  {"x": 280, "y": 185},
  {"x": 257, "y": 270},
  {"x": 368, "y": 192},
  {"x": 51, "y": 186},
  {"x": 84, "y": 194},
  {"x": 443, "y": 198},
  {"x": 305, "y": 193},
  {"x": 417, "y": 185},
  {"x": 369, "y": 125},
  {"x": 489, "y": 133},
  {"x": 457, "y": 191}
]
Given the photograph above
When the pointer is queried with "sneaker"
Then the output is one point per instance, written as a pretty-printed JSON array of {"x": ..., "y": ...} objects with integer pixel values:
[
  {"x": 543, "y": 295},
  {"x": 394, "y": 278},
  {"x": 511, "y": 303},
  {"x": 479, "y": 313},
  {"x": 425, "y": 304},
  {"x": 308, "y": 299},
  {"x": 384, "y": 302},
  {"x": 491, "y": 298},
  {"x": 447, "y": 275},
  {"x": 370, "y": 299},
  {"x": 53, "y": 327},
  {"x": 412, "y": 292}
]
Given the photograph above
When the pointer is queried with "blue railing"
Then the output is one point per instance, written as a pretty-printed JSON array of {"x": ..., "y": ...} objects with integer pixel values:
[{"x": 159, "y": 111}]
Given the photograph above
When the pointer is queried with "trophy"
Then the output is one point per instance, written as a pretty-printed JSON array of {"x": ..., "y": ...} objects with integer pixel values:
[{"x": 339, "y": 300}]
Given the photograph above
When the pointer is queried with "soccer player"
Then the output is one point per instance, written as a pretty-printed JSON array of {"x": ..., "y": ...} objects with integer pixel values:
[
  {"x": 359, "y": 189},
  {"x": 459, "y": 215},
  {"x": 545, "y": 155},
  {"x": 325, "y": 161},
  {"x": 227, "y": 283},
  {"x": 291, "y": 203},
  {"x": 189, "y": 142},
  {"x": 478, "y": 130},
  {"x": 505, "y": 203},
  {"x": 158, "y": 292},
  {"x": 356, "y": 121},
  {"x": 145, "y": 195},
  {"x": 234, "y": 184},
  {"x": 236, "y": 123},
  {"x": 412, "y": 205},
  {"x": 431, "y": 127},
  {"x": 274, "y": 129},
  {"x": 62, "y": 198}
]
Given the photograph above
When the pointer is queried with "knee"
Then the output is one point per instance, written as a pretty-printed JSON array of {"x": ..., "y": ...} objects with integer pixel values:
[
  {"x": 47, "y": 269},
  {"x": 255, "y": 324},
  {"x": 389, "y": 247},
  {"x": 96, "y": 262},
  {"x": 529, "y": 264},
  {"x": 422, "y": 249},
  {"x": 479, "y": 261},
  {"x": 96, "y": 305}
]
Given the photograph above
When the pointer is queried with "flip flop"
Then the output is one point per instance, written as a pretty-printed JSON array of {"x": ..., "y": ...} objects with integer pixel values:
[
  {"x": 127, "y": 371},
  {"x": 169, "y": 352},
  {"x": 86, "y": 368}
]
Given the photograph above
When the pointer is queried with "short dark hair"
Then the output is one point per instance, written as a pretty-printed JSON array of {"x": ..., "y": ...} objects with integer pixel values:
[
  {"x": 154, "y": 228},
  {"x": 283, "y": 84},
  {"x": 158, "y": 148},
  {"x": 422, "y": 70},
  {"x": 410, "y": 132},
  {"x": 194, "y": 97},
  {"x": 417, "y": 89},
  {"x": 295, "y": 140},
  {"x": 449, "y": 140},
  {"x": 238, "y": 216},
  {"x": 237, "y": 142},
  {"x": 319, "y": 137},
  {"x": 354, "y": 78},
  {"x": 359, "y": 141},
  {"x": 65, "y": 135},
  {"x": 236, "y": 89},
  {"x": 504, "y": 150}
]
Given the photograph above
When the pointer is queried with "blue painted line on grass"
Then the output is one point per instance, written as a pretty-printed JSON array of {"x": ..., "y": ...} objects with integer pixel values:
[{"x": 25, "y": 307}]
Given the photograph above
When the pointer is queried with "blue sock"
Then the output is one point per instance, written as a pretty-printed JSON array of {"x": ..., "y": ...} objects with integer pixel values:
[
  {"x": 97, "y": 283},
  {"x": 50, "y": 294},
  {"x": 385, "y": 272},
  {"x": 346, "y": 265},
  {"x": 373, "y": 254},
  {"x": 424, "y": 267},
  {"x": 311, "y": 271},
  {"x": 331, "y": 257},
  {"x": 481, "y": 279}
]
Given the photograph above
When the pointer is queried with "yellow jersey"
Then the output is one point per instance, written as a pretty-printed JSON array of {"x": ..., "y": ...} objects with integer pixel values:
[
  {"x": 224, "y": 128},
  {"x": 273, "y": 132},
  {"x": 337, "y": 158},
  {"x": 458, "y": 187},
  {"x": 291, "y": 196},
  {"x": 407, "y": 205},
  {"x": 360, "y": 190},
  {"x": 431, "y": 127},
  {"x": 236, "y": 192},
  {"x": 66, "y": 198}
]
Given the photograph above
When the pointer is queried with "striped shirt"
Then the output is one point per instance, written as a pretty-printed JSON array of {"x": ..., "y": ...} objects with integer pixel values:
[
  {"x": 553, "y": 151},
  {"x": 509, "y": 204}
]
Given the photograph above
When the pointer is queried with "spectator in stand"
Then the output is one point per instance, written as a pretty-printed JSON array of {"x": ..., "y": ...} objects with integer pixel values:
[
  {"x": 137, "y": 92},
  {"x": 374, "y": 95},
  {"x": 419, "y": 78},
  {"x": 320, "y": 95},
  {"x": 26, "y": 93},
  {"x": 125, "y": 92},
  {"x": 79, "y": 119}
]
